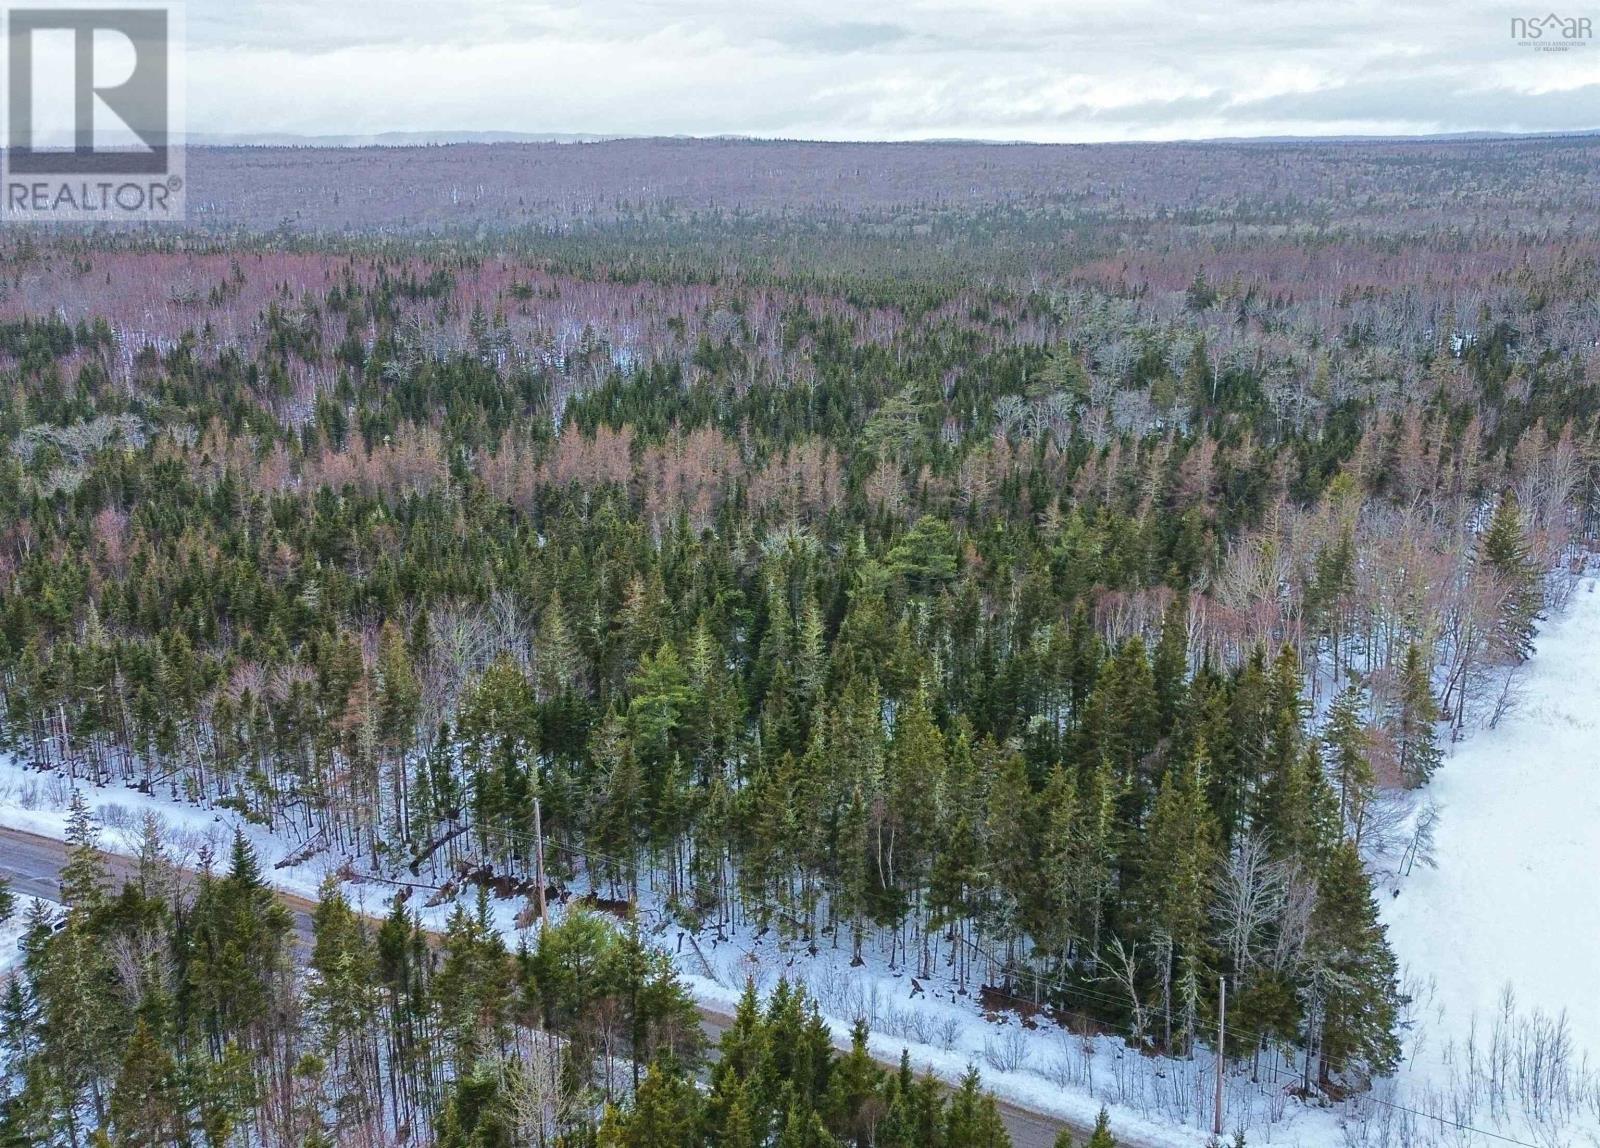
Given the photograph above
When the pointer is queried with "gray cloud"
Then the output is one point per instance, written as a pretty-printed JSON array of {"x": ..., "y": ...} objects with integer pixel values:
[
  {"x": 841, "y": 38},
  {"x": 1040, "y": 69}
]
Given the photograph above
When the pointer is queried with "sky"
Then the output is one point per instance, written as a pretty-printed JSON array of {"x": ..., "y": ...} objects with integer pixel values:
[{"x": 1044, "y": 70}]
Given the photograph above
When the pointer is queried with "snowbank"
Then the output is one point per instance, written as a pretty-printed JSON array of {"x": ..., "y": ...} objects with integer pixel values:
[{"x": 37, "y": 802}]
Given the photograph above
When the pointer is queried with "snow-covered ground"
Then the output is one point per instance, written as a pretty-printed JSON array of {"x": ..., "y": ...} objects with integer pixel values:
[
  {"x": 1158, "y": 1103},
  {"x": 1513, "y": 906},
  {"x": 1039, "y": 1066},
  {"x": 1515, "y": 899},
  {"x": 1154, "y": 1103},
  {"x": 38, "y": 803},
  {"x": 1516, "y": 894}
]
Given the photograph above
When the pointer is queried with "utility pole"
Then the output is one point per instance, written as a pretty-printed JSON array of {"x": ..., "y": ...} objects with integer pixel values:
[
  {"x": 1222, "y": 1034},
  {"x": 538, "y": 856}
]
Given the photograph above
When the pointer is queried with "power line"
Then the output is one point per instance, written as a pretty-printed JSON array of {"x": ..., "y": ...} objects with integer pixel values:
[
  {"x": 1270, "y": 1066},
  {"x": 1261, "y": 1040},
  {"x": 1452, "y": 1123}
]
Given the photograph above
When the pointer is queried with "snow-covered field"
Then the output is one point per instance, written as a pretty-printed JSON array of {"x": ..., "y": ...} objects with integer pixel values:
[
  {"x": 1516, "y": 894},
  {"x": 1513, "y": 906},
  {"x": 1514, "y": 900}
]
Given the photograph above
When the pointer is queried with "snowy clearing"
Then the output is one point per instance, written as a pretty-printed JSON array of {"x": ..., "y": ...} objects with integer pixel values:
[
  {"x": 1518, "y": 863},
  {"x": 1511, "y": 907}
]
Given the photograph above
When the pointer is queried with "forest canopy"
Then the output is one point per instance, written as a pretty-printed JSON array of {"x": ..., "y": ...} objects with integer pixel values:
[{"x": 1077, "y": 628}]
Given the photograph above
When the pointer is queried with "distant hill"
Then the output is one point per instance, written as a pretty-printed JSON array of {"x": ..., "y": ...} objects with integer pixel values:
[
  {"x": 427, "y": 184},
  {"x": 385, "y": 139}
]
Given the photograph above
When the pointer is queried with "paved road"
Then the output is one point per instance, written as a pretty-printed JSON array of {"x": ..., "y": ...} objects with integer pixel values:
[{"x": 32, "y": 864}]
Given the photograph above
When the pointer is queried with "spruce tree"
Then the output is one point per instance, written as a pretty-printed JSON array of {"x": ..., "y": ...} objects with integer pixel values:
[
  {"x": 1180, "y": 858},
  {"x": 1083, "y": 658},
  {"x": 1058, "y": 846},
  {"x": 1349, "y": 757},
  {"x": 146, "y": 1106},
  {"x": 399, "y": 697},
  {"x": 1170, "y": 666},
  {"x": 1101, "y": 1137},
  {"x": 342, "y": 998},
  {"x": 1278, "y": 737},
  {"x": 1311, "y": 826},
  {"x": 556, "y": 652},
  {"x": 853, "y": 1085},
  {"x": 914, "y": 773},
  {"x": 1504, "y": 553},
  {"x": 1412, "y": 720},
  {"x": 84, "y": 878},
  {"x": 498, "y": 726},
  {"x": 973, "y": 1118},
  {"x": 1353, "y": 984}
]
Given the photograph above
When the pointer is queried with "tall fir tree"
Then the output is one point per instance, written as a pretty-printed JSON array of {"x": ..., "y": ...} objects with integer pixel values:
[
  {"x": 1504, "y": 553},
  {"x": 1349, "y": 758},
  {"x": 1353, "y": 986},
  {"x": 1412, "y": 719}
]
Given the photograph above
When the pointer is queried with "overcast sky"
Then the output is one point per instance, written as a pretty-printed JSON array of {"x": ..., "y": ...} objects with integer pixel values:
[{"x": 1050, "y": 70}]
